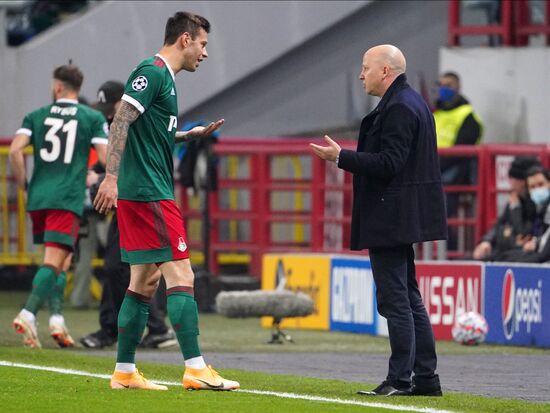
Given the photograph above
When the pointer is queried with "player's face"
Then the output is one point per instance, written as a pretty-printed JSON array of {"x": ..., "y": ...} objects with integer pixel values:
[
  {"x": 195, "y": 51},
  {"x": 371, "y": 74}
]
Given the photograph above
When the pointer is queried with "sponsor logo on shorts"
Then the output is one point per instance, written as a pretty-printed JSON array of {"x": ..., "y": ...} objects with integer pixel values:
[{"x": 182, "y": 246}]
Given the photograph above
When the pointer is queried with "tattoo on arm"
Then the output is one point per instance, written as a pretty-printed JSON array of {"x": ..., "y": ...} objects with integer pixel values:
[{"x": 118, "y": 134}]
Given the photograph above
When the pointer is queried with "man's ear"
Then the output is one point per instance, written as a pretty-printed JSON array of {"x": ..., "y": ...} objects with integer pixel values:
[{"x": 185, "y": 39}]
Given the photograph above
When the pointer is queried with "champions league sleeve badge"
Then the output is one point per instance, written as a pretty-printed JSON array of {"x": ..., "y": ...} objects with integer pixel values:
[{"x": 139, "y": 84}]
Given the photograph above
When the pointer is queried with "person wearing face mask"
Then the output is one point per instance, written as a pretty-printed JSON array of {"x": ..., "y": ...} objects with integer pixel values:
[
  {"x": 537, "y": 249},
  {"x": 514, "y": 225},
  {"x": 456, "y": 123}
]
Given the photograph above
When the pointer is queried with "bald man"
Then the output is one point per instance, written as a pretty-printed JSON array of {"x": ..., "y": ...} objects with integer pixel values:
[{"x": 397, "y": 201}]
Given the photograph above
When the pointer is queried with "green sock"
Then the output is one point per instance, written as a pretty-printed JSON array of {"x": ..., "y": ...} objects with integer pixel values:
[
  {"x": 184, "y": 316},
  {"x": 132, "y": 319},
  {"x": 42, "y": 286},
  {"x": 57, "y": 297}
]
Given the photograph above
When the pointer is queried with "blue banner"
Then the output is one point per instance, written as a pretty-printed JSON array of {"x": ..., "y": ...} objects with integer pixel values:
[
  {"x": 517, "y": 304},
  {"x": 352, "y": 296}
]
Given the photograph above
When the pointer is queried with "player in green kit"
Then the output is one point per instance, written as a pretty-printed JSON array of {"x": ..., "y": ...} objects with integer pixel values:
[
  {"x": 139, "y": 182},
  {"x": 61, "y": 135}
]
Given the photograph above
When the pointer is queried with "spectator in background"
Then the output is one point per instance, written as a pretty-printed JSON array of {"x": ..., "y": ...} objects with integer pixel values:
[
  {"x": 515, "y": 224},
  {"x": 536, "y": 249},
  {"x": 456, "y": 123},
  {"x": 117, "y": 276}
]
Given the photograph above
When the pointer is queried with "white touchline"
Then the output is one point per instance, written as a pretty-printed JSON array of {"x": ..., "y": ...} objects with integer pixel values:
[{"x": 261, "y": 392}]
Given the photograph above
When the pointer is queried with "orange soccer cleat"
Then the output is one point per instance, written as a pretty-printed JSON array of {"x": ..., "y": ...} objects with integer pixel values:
[
  {"x": 133, "y": 380},
  {"x": 207, "y": 379}
]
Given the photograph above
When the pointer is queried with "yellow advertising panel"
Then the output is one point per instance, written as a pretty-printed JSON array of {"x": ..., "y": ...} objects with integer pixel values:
[{"x": 309, "y": 274}]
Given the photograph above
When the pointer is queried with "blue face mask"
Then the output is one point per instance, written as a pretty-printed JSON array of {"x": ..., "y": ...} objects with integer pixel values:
[
  {"x": 446, "y": 93},
  {"x": 540, "y": 195}
]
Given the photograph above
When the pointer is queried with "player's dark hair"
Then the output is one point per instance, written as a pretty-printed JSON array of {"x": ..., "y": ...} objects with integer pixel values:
[
  {"x": 70, "y": 75},
  {"x": 182, "y": 22}
]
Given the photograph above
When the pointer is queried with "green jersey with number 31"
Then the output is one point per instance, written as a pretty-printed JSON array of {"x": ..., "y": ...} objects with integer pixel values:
[{"x": 61, "y": 135}]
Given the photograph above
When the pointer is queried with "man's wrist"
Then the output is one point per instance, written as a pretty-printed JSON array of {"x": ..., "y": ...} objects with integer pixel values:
[{"x": 337, "y": 158}]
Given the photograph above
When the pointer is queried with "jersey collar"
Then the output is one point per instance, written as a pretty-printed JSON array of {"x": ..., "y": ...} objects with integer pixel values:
[
  {"x": 65, "y": 100},
  {"x": 168, "y": 66}
]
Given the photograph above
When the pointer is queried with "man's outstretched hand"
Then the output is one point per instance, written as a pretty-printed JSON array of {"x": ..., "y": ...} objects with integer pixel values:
[
  {"x": 328, "y": 153},
  {"x": 200, "y": 131}
]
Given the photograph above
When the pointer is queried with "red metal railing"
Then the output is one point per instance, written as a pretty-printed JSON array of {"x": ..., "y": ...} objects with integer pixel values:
[
  {"x": 513, "y": 28},
  {"x": 275, "y": 195},
  {"x": 262, "y": 184},
  {"x": 477, "y": 212}
]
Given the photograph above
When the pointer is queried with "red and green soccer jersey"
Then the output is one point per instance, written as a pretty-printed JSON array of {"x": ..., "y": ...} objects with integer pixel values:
[
  {"x": 61, "y": 135},
  {"x": 146, "y": 170}
]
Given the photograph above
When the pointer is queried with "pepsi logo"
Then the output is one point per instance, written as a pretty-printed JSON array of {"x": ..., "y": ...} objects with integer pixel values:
[
  {"x": 508, "y": 303},
  {"x": 521, "y": 306}
]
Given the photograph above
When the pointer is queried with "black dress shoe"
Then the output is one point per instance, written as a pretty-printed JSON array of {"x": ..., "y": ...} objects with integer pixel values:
[
  {"x": 427, "y": 391},
  {"x": 99, "y": 339},
  {"x": 163, "y": 340},
  {"x": 386, "y": 389}
]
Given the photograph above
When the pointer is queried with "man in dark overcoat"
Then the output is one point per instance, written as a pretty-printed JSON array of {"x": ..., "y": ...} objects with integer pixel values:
[{"x": 397, "y": 201}]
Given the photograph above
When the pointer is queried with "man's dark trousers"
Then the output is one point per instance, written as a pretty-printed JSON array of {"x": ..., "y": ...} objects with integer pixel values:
[{"x": 399, "y": 301}]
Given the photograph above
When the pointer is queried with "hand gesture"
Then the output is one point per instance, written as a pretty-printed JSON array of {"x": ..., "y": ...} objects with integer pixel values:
[
  {"x": 201, "y": 131},
  {"x": 328, "y": 153}
]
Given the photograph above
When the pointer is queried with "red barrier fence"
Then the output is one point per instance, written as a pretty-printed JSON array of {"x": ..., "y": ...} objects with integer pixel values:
[
  {"x": 513, "y": 28},
  {"x": 274, "y": 195},
  {"x": 320, "y": 223}
]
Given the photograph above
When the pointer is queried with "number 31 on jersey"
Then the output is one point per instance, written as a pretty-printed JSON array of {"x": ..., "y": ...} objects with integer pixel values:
[{"x": 56, "y": 125}]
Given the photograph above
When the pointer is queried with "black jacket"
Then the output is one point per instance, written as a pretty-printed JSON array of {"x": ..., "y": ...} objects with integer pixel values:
[
  {"x": 542, "y": 232},
  {"x": 397, "y": 191},
  {"x": 511, "y": 223}
]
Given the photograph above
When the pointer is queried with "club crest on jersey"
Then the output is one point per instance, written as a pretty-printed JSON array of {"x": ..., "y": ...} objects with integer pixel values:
[
  {"x": 139, "y": 84},
  {"x": 182, "y": 246}
]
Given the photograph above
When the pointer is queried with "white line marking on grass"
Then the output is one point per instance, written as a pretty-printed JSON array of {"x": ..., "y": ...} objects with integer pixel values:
[{"x": 283, "y": 395}]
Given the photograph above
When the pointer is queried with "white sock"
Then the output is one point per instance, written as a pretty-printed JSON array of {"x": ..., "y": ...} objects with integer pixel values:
[
  {"x": 27, "y": 315},
  {"x": 195, "y": 363},
  {"x": 125, "y": 367},
  {"x": 57, "y": 319}
]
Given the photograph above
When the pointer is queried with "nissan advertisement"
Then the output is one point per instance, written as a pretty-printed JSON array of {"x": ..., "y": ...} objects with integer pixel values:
[{"x": 449, "y": 289}]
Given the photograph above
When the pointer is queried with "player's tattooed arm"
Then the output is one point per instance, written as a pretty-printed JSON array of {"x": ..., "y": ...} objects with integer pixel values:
[{"x": 118, "y": 134}]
